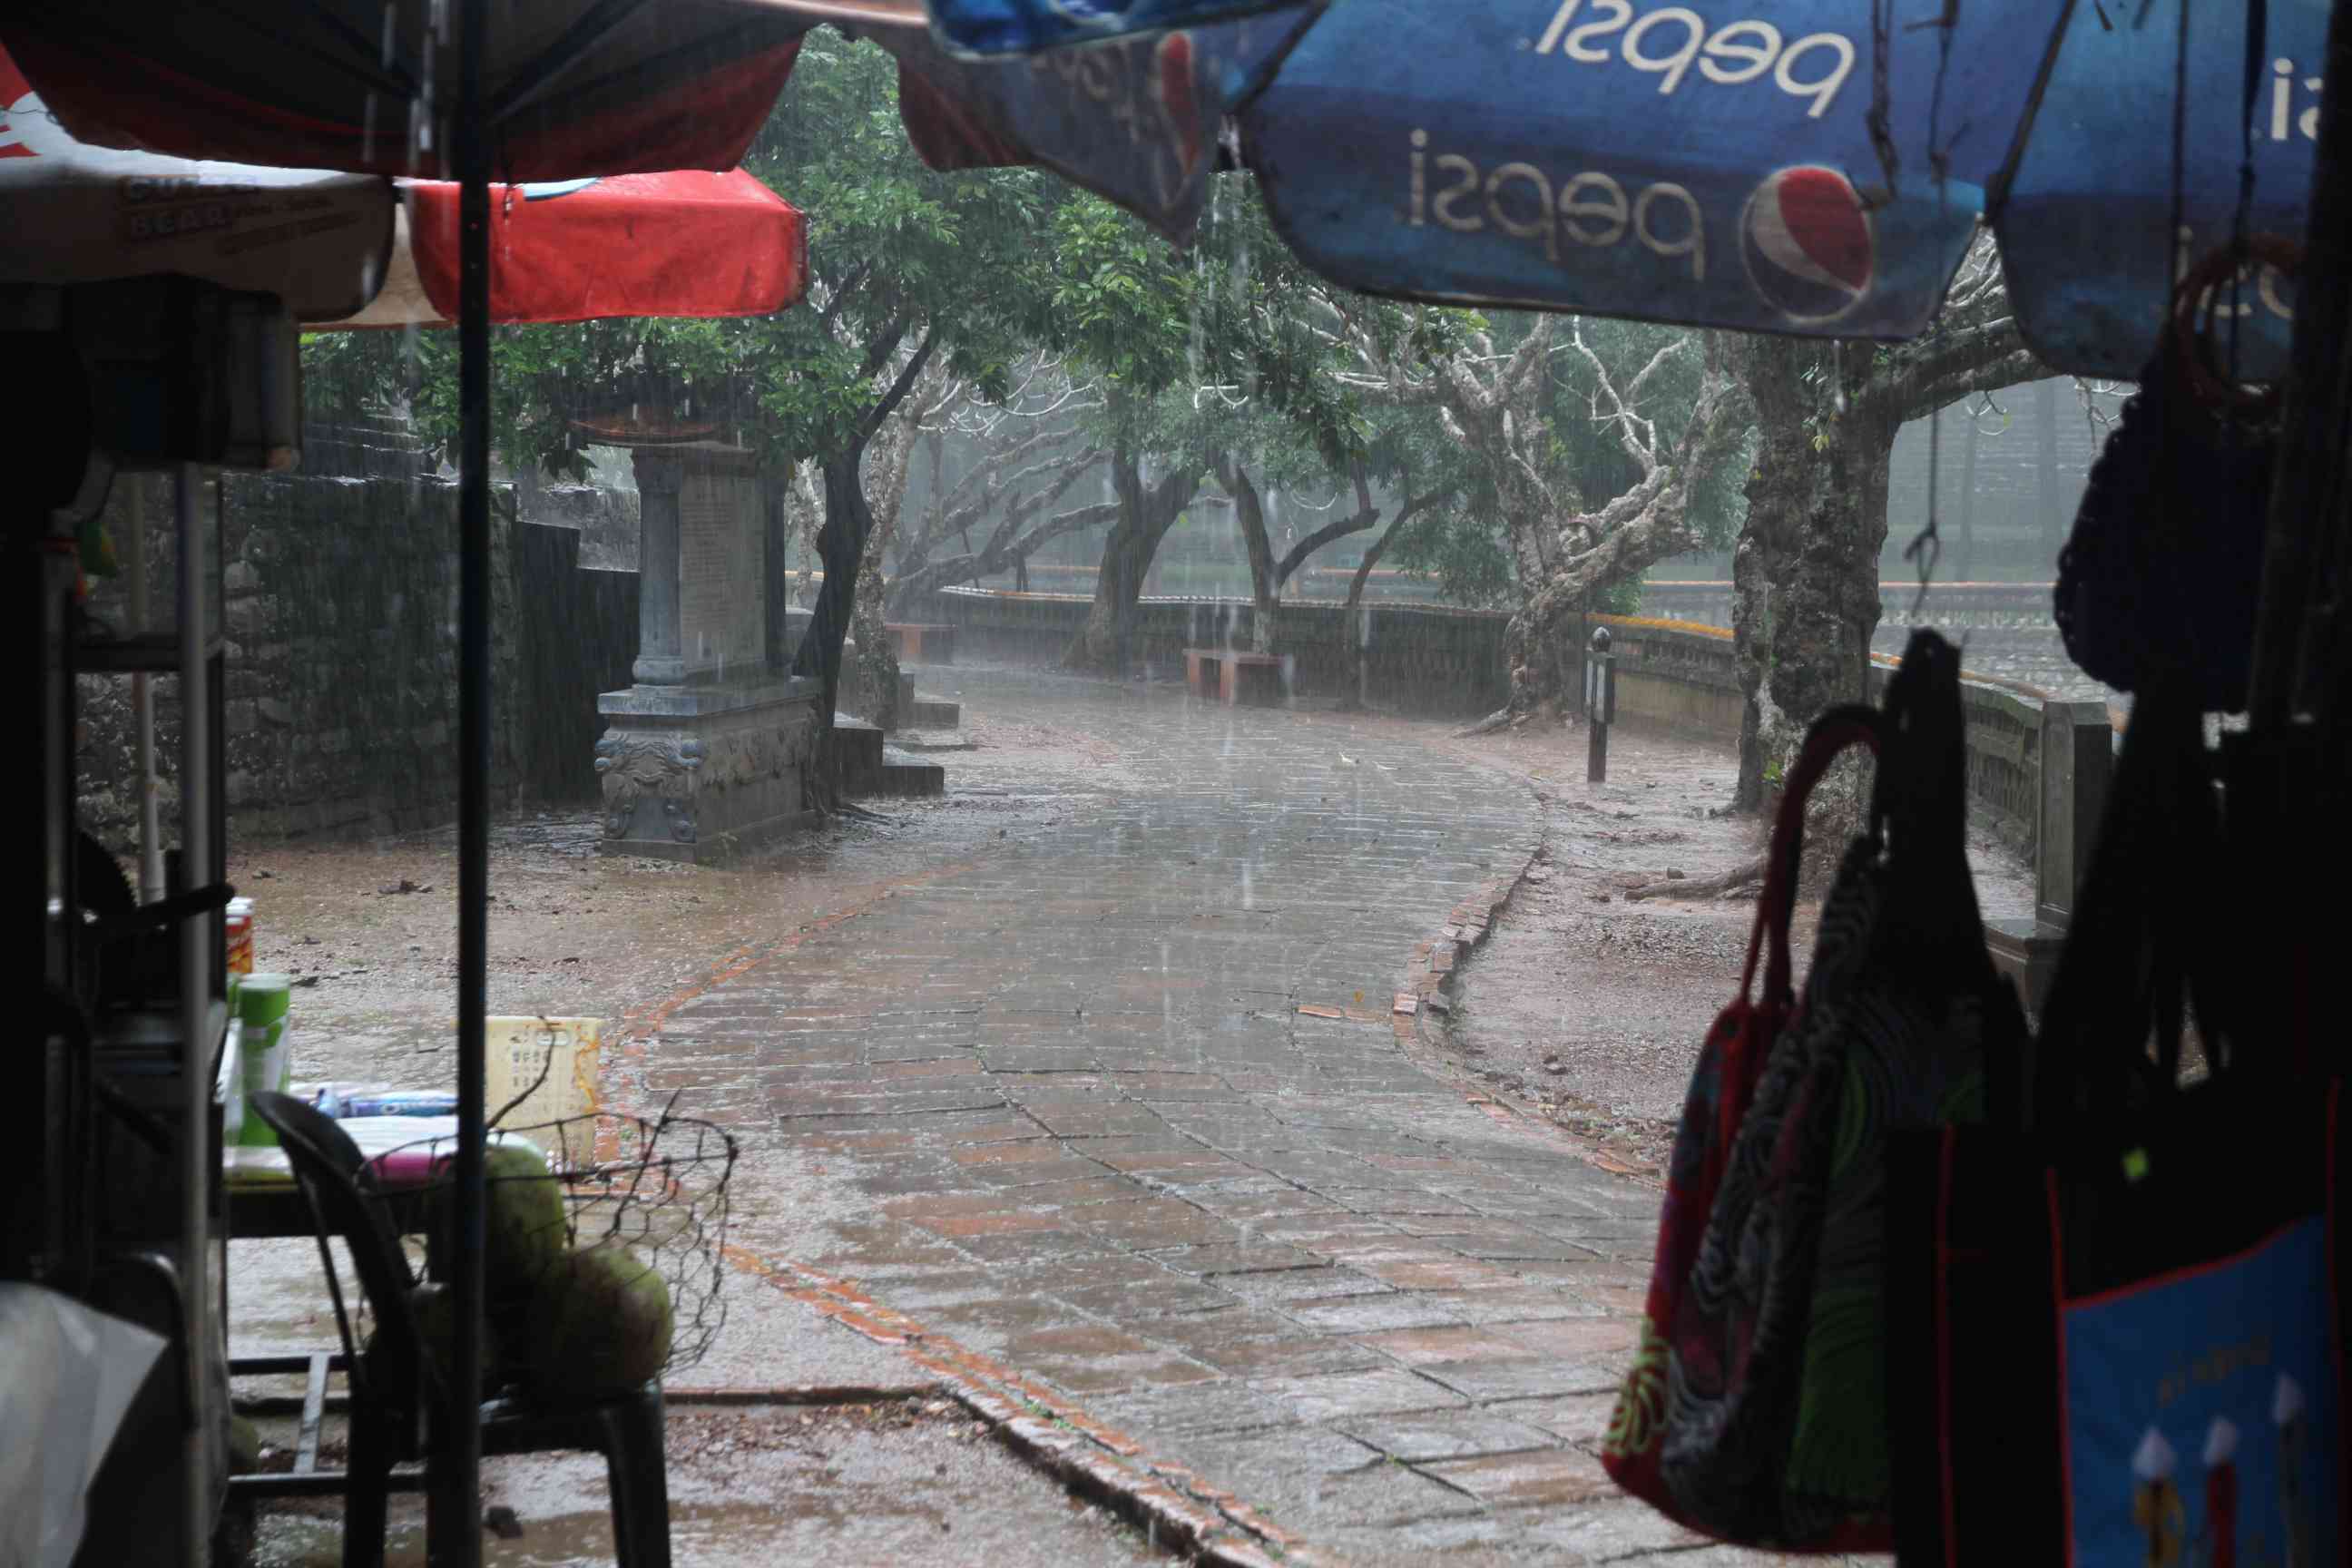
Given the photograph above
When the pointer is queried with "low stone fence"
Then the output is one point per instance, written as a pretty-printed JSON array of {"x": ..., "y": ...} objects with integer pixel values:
[
  {"x": 2037, "y": 766},
  {"x": 1426, "y": 658},
  {"x": 1682, "y": 674}
]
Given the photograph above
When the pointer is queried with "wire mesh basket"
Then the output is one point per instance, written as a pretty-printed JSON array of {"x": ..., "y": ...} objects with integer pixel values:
[{"x": 605, "y": 1243}]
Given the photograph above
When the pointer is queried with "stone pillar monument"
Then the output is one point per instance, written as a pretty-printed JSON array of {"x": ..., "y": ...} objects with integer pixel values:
[
  {"x": 661, "y": 474},
  {"x": 708, "y": 754}
]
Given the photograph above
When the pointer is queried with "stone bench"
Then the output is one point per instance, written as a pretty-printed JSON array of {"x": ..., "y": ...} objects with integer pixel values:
[
  {"x": 921, "y": 642},
  {"x": 1225, "y": 676}
]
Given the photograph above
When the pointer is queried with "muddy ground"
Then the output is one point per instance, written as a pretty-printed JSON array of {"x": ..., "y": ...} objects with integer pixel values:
[{"x": 1593, "y": 1005}]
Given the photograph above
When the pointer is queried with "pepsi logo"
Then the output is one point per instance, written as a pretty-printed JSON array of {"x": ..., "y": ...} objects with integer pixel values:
[
  {"x": 1172, "y": 78},
  {"x": 1805, "y": 236}
]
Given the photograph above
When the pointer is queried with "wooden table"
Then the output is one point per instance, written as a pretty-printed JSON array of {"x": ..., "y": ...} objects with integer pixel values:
[{"x": 1232, "y": 677}]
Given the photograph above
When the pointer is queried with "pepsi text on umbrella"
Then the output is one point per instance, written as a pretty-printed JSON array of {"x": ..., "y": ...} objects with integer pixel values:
[
  {"x": 1519, "y": 201},
  {"x": 2282, "y": 113},
  {"x": 1671, "y": 41}
]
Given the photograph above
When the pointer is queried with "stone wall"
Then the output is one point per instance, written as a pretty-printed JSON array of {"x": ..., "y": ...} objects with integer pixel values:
[{"x": 340, "y": 612}]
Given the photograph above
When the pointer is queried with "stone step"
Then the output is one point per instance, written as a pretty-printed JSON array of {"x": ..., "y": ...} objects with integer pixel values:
[
  {"x": 933, "y": 741},
  {"x": 857, "y": 755},
  {"x": 910, "y": 777},
  {"x": 931, "y": 713}
]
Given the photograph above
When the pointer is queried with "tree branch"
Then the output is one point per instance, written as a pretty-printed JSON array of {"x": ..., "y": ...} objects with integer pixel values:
[
  {"x": 1000, "y": 554},
  {"x": 907, "y": 375}
]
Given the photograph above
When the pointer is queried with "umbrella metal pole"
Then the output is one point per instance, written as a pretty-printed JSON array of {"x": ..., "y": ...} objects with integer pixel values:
[
  {"x": 142, "y": 705},
  {"x": 459, "y": 1498},
  {"x": 196, "y": 955}
]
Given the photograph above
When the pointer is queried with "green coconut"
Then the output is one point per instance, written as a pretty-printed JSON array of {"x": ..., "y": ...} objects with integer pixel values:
[
  {"x": 524, "y": 1223},
  {"x": 525, "y": 1227},
  {"x": 600, "y": 1324},
  {"x": 434, "y": 1310}
]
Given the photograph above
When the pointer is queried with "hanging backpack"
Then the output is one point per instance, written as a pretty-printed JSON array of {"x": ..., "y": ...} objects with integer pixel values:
[{"x": 2126, "y": 1323}]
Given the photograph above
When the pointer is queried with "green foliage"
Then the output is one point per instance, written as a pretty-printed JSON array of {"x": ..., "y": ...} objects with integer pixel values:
[
  {"x": 897, "y": 253},
  {"x": 1229, "y": 349}
]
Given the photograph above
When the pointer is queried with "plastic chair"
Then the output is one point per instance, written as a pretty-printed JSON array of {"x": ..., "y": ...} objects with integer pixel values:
[{"x": 397, "y": 1403}]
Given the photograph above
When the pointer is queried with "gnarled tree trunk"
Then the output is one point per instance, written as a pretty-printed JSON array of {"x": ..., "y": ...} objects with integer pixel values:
[
  {"x": 1249, "y": 515},
  {"x": 1805, "y": 574},
  {"x": 841, "y": 551},
  {"x": 1145, "y": 515}
]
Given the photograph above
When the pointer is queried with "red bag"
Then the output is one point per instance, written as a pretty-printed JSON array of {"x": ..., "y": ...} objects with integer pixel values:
[{"x": 1722, "y": 1086}]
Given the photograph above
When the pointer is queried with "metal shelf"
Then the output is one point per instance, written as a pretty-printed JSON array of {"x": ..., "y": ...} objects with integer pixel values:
[
  {"x": 155, "y": 1032},
  {"x": 154, "y": 653}
]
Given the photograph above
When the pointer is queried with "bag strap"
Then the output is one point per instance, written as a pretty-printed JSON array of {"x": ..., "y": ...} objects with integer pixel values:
[
  {"x": 2132, "y": 962},
  {"x": 1831, "y": 733},
  {"x": 1920, "y": 795}
]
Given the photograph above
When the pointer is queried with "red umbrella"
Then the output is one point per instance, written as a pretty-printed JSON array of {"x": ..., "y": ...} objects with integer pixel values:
[
  {"x": 679, "y": 244},
  {"x": 570, "y": 87},
  {"x": 348, "y": 250},
  {"x": 577, "y": 88}
]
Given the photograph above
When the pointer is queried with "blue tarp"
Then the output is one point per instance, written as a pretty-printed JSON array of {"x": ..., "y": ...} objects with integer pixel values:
[{"x": 1025, "y": 26}]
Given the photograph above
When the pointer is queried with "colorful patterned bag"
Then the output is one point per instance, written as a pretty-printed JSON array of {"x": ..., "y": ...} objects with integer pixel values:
[
  {"x": 1729, "y": 1063},
  {"x": 1774, "y": 1387}
]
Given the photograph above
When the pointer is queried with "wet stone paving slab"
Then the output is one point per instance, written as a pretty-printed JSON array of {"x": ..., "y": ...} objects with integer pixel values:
[{"x": 1084, "y": 1125}]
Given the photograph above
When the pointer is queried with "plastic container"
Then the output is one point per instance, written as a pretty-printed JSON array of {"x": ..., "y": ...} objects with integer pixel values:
[
  {"x": 228, "y": 1089},
  {"x": 240, "y": 936},
  {"x": 375, "y": 1102},
  {"x": 265, "y": 1005}
]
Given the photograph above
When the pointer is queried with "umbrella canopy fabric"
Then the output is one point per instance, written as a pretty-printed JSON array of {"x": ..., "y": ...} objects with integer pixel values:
[
  {"x": 1135, "y": 119},
  {"x": 2082, "y": 225},
  {"x": 1813, "y": 167},
  {"x": 675, "y": 244},
  {"x": 1761, "y": 171},
  {"x": 1026, "y": 27},
  {"x": 614, "y": 86},
  {"x": 573, "y": 87},
  {"x": 77, "y": 214}
]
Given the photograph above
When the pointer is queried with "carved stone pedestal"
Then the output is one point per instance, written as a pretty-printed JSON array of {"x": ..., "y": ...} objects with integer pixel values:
[{"x": 704, "y": 772}]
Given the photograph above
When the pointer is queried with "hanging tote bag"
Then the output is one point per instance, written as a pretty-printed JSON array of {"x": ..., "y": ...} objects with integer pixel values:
[
  {"x": 2126, "y": 1323},
  {"x": 1776, "y": 1411},
  {"x": 1729, "y": 1063}
]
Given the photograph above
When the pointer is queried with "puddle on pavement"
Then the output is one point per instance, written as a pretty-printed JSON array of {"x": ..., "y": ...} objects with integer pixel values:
[{"x": 749, "y": 1488}]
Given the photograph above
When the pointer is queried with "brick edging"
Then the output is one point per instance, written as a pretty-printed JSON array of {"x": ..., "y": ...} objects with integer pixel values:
[
  {"x": 1436, "y": 960},
  {"x": 1180, "y": 1510}
]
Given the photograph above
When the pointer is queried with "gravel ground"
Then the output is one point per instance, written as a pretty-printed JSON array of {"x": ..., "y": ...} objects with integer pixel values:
[{"x": 902, "y": 1481}]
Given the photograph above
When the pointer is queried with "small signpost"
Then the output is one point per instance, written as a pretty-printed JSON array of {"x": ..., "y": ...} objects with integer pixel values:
[{"x": 1600, "y": 704}]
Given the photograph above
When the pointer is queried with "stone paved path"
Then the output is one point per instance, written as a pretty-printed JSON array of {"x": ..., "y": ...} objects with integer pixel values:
[{"x": 1123, "y": 1111}]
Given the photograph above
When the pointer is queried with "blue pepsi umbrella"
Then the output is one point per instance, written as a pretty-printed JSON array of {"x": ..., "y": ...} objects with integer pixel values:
[
  {"x": 1026, "y": 27},
  {"x": 2083, "y": 225},
  {"x": 1808, "y": 166}
]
